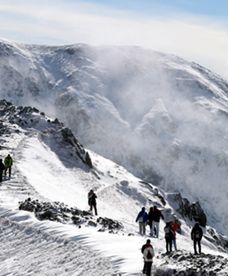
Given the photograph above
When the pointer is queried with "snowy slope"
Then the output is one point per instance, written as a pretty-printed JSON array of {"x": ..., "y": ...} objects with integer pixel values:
[
  {"x": 49, "y": 171},
  {"x": 166, "y": 117}
]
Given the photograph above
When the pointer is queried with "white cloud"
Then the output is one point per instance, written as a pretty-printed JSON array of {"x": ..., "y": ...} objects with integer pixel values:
[{"x": 198, "y": 39}]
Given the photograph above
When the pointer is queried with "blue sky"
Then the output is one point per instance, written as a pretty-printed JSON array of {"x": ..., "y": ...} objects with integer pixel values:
[
  {"x": 193, "y": 29},
  {"x": 211, "y": 8}
]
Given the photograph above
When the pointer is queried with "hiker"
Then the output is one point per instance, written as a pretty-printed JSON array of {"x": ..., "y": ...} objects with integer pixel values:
[
  {"x": 175, "y": 226},
  {"x": 196, "y": 236},
  {"x": 150, "y": 220},
  {"x": 169, "y": 235},
  {"x": 8, "y": 162},
  {"x": 2, "y": 168},
  {"x": 92, "y": 201},
  {"x": 148, "y": 254},
  {"x": 156, "y": 219},
  {"x": 142, "y": 219}
]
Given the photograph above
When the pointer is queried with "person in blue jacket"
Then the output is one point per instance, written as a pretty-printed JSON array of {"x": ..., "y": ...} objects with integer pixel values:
[{"x": 142, "y": 220}]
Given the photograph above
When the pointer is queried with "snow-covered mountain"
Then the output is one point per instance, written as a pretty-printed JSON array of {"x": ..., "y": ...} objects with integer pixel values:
[
  {"x": 161, "y": 117},
  {"x": 53, "y": 169}
]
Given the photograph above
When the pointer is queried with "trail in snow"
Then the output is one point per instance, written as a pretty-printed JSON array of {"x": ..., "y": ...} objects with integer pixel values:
[
  {"x": 65, "y": 249},
  {"x": 26, "y": 251},
  {"x": 29, "y": 249}
]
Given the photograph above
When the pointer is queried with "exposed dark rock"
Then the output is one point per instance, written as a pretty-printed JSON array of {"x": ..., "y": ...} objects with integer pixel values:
[
  {"x": 187, "y": 264},
  {"x": 76, "y": 220},
  {"x": 193, "y": 211},
  {"x": 56, "y": 121},
  {"x": 92, "y": 223},
  {"x": 110, "y": 224},
  {"x": 219, "y": 240},
  {"x": 27, "y": 205},
  {"x": 88, "y": 160},
  {"x": 155, "y": 191},
  {"x": 60, "y": 212},
  {"x": 159, "y": 195},
  {"x": 69, "y": 138},
  {"x": 29, "y": 117},
  {"x": 47, "y": 215}
]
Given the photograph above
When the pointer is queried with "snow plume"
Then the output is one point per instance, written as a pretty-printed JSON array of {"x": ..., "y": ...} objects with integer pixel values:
[
  {"x": 165, "y": 119},
  {"x": 160, "y": 116}
]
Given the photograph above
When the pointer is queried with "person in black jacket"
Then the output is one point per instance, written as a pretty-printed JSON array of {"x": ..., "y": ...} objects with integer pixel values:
[
  {"x": 156, "y": 219},
  {"x": 169, "y": 236},
  {"x": 196, "y": 235},
  {"x": 92, "y": 201},
  {"x": 8, "y": 162},
  {"x": 2, "y": 169},
  {"x": 150, "y": 220}
]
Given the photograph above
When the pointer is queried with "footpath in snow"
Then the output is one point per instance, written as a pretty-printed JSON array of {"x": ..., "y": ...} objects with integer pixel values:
[{"x": 32, "y": 247}]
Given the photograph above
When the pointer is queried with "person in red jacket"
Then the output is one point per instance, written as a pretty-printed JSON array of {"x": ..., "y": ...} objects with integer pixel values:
[
  {"x": 175, "y": 226},
  {"x": 148, "y": 254}
]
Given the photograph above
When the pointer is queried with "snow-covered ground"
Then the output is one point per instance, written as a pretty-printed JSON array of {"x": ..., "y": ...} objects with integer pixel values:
[
  {"x": 32, "y": 247},
  {"x": 161, "y": 117}
]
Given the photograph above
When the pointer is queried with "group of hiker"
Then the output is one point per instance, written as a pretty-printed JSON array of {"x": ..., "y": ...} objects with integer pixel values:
[
  {"x": 5, "y": 166},
  {"x": 152, "y": 218}
]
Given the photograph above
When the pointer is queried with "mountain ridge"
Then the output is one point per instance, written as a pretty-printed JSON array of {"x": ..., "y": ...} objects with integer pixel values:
[
  {"x": 108, "y": 93},
  {"x": 47, "y": 168}
]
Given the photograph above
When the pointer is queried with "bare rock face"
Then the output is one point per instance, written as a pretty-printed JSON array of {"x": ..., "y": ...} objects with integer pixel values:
[
  {"x": 193, "y": 211},
  {"x": 216, "y": 238},
  {"x": 30, "y": 117},
  {"x": 188, "y": 264},
  {"x": 57, "y": 211},
  {"x": 69, "y": 137}
]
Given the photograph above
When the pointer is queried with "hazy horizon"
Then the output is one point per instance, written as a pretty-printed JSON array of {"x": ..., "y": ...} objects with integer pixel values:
[{"x": 197, "y": 31}]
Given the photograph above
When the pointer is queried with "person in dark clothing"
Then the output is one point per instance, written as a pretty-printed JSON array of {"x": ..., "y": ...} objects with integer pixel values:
[
  {"x": 156, "y": 219},
  {"x": 148, "y": 254},
  {"x": 8, "y": 162},
  {"x": 169, "y": 236},
  {"x": 92, "y": 201},
  {"x": 2, "y": 168},
  {"x": 196, "y": 236},
  {"x": 150, "y": 220},
  {"x": 142, "y": 219},
  {"x": 175, "y": 226}
]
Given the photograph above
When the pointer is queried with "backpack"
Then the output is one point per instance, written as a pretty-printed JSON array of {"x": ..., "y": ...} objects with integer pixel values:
[
  {"x": 167, "y": 231},
  {"x": 197, "y": 234},
  {"x": 149, "y": 255}
]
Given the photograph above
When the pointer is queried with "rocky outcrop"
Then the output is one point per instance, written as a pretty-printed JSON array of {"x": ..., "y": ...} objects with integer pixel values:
[
  {"x": 183, "y": 206},
  {"x": 30, "y": 117},
  {"x": 192, "y": 265},
  {"x": 218, "y": 239},
  {"x": 62, "y": 213},
  {"x": 69, "y": 138}
]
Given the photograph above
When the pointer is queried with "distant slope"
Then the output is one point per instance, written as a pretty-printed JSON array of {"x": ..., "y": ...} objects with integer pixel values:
[{"x": 161, "y": 117}]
